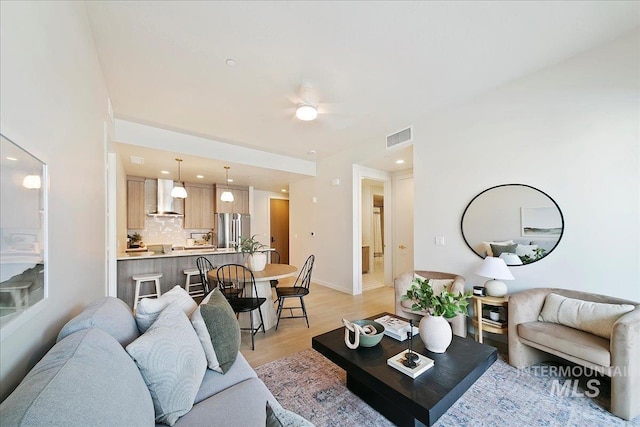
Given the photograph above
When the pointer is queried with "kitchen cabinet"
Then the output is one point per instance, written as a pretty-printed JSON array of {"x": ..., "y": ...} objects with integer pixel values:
[
  {"x": 199, "y": 207},
  {"x": 240, "y": 202},
  {"x": 135, "y": 203}
]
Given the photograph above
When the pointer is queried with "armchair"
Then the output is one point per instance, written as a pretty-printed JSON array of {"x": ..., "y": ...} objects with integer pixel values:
[
  {"x": 452, "y": 282},
  {"x": 532, "y": 340}
]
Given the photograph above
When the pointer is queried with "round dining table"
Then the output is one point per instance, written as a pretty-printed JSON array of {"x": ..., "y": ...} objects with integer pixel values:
[{"x": 263, "y": 286}]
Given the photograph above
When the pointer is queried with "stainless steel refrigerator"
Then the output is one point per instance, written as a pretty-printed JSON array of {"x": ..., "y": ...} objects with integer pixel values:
[{"x": 231, "y": 227}]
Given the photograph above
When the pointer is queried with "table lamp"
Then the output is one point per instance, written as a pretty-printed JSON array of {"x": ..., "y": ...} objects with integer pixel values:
[
  {"x": 496, "y": 270},
  {"x": 510, "y": 258}
]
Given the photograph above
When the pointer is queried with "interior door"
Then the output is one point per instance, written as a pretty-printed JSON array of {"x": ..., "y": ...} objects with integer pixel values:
[
  {"x": 403, "y": 224},
  {"x": 279, "y": 227}
]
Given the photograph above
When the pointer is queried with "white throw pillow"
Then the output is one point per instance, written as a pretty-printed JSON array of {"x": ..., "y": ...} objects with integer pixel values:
[
  {"x": 172, "y": 363},
  {"x": 149, "y": 308},
  {"x": 593, "y": 317}
]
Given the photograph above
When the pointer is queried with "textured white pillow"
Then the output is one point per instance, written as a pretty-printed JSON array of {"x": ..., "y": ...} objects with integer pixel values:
[
  {"x": 205, "y": 339},
  {"x": 149, "y": 308},
  {"x": 172, "y": 363},
  {"x": 594, "y": 317}
]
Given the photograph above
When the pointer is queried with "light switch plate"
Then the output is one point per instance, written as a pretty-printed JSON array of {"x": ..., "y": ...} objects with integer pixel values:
[{"x": 439, "y": 240}]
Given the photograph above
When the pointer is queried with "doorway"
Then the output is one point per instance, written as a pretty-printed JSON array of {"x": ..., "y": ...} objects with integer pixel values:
[
  {"x": 373, "y": 238},
  {"x": 279, "y": 227}
]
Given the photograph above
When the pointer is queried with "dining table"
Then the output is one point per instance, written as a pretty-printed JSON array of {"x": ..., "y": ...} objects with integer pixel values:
[{"x": 263, "y": 280}]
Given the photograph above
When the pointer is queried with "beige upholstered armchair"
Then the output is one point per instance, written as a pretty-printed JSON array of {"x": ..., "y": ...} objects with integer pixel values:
[
  {"x": 452, "y": 282},
  {"x": 604, "y": 337}
]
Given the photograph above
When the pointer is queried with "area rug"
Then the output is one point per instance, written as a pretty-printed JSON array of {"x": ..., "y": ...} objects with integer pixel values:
[{"x": 310, "y": 385}]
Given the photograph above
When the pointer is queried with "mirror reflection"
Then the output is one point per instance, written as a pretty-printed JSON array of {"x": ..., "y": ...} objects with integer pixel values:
[
  {"x": 22, "y": 225},
  {"x": 516, "y": 222}
]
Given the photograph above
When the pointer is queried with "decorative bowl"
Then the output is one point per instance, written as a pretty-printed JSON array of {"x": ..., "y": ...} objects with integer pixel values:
[{"x": 370, "y": 340}]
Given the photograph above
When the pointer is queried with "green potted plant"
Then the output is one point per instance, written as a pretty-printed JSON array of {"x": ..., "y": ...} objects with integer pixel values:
[
  {"x": 256, "y": 260},
  {"x": 434, "y": 329},
  {"x": 135, "y": 240}
]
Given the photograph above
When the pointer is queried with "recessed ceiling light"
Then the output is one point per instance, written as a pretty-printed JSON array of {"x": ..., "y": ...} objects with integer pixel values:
[
  {"x": 199, "y": 176},
  {"x": 312, "y": 152},
  {"x": 137, "y": 160},
  {"x": 11, "y": 158},
  {"x": 284, "y": 190},
  {"x": 399, "y": 162},
  {"x": 229, "y": 179},
  {"x": 165, "y": 172},
  {"x": 230, "y": 62}
]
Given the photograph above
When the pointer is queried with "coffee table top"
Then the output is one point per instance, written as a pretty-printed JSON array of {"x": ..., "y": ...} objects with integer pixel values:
[{"x": 428, "y": 396}]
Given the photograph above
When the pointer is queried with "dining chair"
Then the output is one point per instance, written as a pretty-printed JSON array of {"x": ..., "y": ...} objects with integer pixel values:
[
  {"x": 274, "y": 258},
  {"x": 204, "y": 266},
  {"x": 239, "y": 285},
  {"x": 299, "y": 290}
]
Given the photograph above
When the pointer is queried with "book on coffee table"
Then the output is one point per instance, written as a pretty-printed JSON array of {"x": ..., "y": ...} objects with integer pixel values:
[
  {"x": 395, "y": 328},
  {"x": 422, "y": 364}
]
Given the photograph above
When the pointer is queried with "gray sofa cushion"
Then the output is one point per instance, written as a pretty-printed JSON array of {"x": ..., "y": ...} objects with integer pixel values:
[
  {"x": 574, "y": 342},
  {"x": 172, "y": 362},
  {"x": 214, "y": 382},
  {"x": 86, "y": 379},
  {"x": 239, "y": 406},
  {"x": 109, "y": 314}
]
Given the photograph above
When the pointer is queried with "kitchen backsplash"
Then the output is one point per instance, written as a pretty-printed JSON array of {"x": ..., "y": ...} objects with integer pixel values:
[{"x": 162, "y": 229}]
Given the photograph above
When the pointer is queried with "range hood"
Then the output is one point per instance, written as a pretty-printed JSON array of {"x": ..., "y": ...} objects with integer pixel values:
[{"x": 165, "y": 201}]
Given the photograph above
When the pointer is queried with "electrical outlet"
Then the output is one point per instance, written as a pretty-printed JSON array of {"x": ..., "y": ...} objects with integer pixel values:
[{"x": 439, "y": 241}]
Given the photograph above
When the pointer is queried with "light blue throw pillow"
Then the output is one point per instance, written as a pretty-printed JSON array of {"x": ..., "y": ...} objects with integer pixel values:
[{"x": 172, "y": 363}]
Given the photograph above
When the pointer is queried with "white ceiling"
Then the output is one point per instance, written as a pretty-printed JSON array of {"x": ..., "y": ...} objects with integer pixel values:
[{"x": 375, "y": 67}]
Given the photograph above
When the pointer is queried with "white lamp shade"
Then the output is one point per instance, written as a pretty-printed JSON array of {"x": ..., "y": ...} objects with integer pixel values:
[
  {"x": 511, "y": 258},
  {"x": 32, "y": 182},
  {"x": 306, "y": 112},
  {"x": 494, "y": 268},
  {"x": 226, "y": 196},
  {"x": 178, "y": 192}
]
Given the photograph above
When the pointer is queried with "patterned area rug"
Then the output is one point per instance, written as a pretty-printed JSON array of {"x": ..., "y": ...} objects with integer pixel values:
[{"x": 312, "y": 386}]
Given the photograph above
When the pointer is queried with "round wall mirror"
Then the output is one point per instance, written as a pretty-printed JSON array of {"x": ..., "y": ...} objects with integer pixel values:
[{"x": 515, "y": 222}]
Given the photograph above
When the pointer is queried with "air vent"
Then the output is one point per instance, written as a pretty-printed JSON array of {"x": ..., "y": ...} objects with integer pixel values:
[{"x": 400, "y": 139}]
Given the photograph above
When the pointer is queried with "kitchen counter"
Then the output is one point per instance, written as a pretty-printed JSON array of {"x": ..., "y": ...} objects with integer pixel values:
[{"x": 171, "y": 265}]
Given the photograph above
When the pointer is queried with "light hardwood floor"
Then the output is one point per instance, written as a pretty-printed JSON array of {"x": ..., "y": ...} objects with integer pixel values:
[{"x": 326, "y": 308}]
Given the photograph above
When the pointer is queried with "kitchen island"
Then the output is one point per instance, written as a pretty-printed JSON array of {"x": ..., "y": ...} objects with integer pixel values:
[{"x": 171, "y": 265}]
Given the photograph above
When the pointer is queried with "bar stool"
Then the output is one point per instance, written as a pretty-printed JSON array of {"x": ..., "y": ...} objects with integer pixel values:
[
  {"x": 187, "y": 283},
  {"x": 141, "y": 278}
]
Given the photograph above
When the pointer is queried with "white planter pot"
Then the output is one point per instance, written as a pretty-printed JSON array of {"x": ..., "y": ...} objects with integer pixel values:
[
  {"x": 435, "y": 333},
  {"x": 257, "y": 261}
]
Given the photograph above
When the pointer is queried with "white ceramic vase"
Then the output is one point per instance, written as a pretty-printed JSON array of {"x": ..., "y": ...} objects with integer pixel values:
[
  {"x": 435, "y": 333},
  {"x": 257, "y": 261}
]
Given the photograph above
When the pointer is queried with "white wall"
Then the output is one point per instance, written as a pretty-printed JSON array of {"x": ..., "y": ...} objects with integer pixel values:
[
  {"x": 261, "y": 214},
  {"x": 572, "y": 131},
  {"x": 53, "y": 102}
]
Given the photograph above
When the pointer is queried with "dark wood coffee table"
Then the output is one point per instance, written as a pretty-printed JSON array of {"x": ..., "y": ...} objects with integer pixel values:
[{"x": 401, "y": 399}]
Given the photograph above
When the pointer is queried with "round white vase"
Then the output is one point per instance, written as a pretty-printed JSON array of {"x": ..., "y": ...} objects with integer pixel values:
[
  {"x": 257, "y": 261},
  {"x": 435, "y": 333},
  {"x": 495, "y": 288}
]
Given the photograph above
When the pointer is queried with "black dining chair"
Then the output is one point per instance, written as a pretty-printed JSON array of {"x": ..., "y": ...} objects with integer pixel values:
[
  {"x": 204, "y": 266},
  {"x": 239, "y": 285},
  {"x": 274, "y": 258},
  {"x": 299, "y": 290}
]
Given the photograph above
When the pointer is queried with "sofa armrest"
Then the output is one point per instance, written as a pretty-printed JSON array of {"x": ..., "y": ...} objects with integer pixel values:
[{"x": 625, "y": 359}]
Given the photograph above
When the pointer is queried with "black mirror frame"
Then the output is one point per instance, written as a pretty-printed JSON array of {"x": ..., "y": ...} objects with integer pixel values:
[{"x": 512, "y": 185}]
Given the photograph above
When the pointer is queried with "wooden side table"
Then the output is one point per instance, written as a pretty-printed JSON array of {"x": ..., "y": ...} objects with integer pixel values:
[{"x": 481, "y": 324}]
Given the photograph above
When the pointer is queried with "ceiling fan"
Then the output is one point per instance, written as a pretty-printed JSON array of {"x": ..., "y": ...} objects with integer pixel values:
[{"x": 308, "y": 108}]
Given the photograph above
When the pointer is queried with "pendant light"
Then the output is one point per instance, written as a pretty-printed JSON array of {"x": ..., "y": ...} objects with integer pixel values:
[
  {"x": 227, "y": 196},
  {"x": 178, "y": 191}
]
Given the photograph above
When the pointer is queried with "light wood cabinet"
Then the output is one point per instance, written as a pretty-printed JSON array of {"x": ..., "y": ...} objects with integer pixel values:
[
  {"x": 199, "y": 207},
  {"x": 135, "y": 203},
  {"x": 365, "y": 259},
  {"x": 240, "y": 202}
]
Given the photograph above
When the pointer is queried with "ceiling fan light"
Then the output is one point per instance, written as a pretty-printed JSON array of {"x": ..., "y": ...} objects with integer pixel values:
[
  {"x": 306, "y": 112},
  {"x": 226, "y": 196}
]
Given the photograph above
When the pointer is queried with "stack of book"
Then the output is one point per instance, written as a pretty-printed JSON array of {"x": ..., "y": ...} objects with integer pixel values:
[
  {"x": 396, "y": 328},
  {"x": 495, "y": 323},
  {"x": 399, "y": 362}
]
